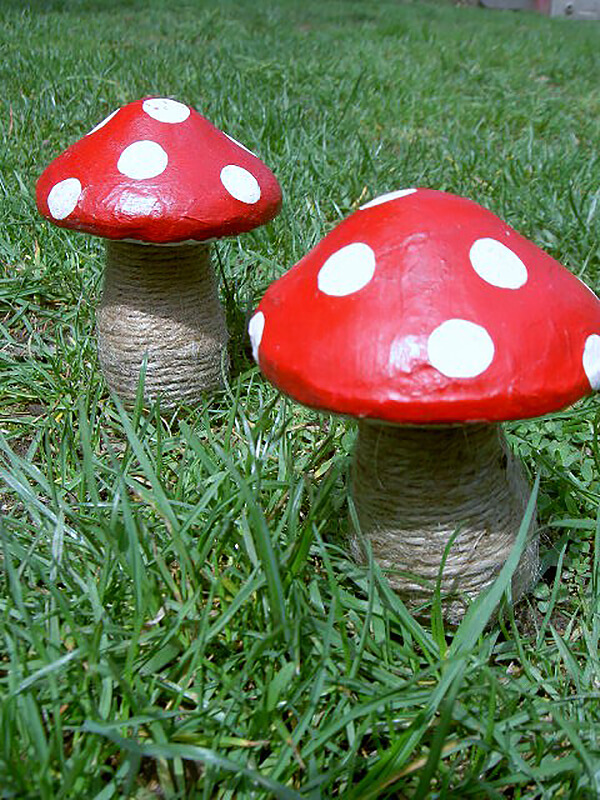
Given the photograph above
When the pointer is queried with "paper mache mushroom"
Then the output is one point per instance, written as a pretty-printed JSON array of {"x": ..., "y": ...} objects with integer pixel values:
[
  {"x": 158, "y": 181},
  {"x": 431, "y": 320}
]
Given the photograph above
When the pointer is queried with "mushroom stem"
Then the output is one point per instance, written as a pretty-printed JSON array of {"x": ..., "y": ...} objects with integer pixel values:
[
  {"x": 414, "y": 488},
  {"x": 160, "y": 303}
]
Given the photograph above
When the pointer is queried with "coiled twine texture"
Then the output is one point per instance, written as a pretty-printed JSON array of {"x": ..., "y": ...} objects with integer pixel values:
[
  {"x": 416, "y": 488},
  {"x": 160, "y": 305}
]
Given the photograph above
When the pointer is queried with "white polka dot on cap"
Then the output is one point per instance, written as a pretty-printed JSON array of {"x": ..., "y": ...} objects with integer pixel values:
[
  {"x": 63, "y": 197},
  {"x": 256, "y": 329},
  {"x": 459, "y": 348},
  {"x": 386, "y": 198},
  {"x": 103, "y": 123},
  {"x": 162, "y": 109},
  {"x": 239, "y": 144},
  {"x": 496, "y": 264},
  {"x": 134, "y": 204},
  {"x": 143, "y": 159},
  {"x": 348, "y": 270},
  {"x": 240, "y": 183},
  {"x": 591, "y": 360}
]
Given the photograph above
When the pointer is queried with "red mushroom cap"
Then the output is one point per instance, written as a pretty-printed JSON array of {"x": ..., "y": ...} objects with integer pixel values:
[
  {"x": 423, "y": 307},
  {"x": 157, "y": 171}
]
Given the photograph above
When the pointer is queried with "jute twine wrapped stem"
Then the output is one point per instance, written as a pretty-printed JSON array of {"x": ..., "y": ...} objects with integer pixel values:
[
  {"x": 415, "y": 488},
  {"x": 160, "y": 304}
]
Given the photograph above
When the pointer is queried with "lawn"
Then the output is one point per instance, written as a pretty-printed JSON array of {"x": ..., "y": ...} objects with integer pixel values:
[{"x": 179, "y": 616}]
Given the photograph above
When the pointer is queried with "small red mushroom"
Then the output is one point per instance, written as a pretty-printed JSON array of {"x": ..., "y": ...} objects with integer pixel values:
[
  {"x": 431, "y": 320},
  {"x": 158, "y": 181}
]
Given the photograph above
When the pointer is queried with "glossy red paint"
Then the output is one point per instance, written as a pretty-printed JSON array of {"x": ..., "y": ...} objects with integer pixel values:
[
  {"x": 187, "y": 180},
  {"x": 524, "y": 339}
]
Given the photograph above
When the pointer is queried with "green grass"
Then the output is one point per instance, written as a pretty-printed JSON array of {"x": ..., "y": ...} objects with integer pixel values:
[{"x": 178, "y": 615}]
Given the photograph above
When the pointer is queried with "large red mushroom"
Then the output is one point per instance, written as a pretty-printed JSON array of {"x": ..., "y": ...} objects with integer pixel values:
[
  {"x": 159, "y": 182},
  {"x": 431, "y": 320}
]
